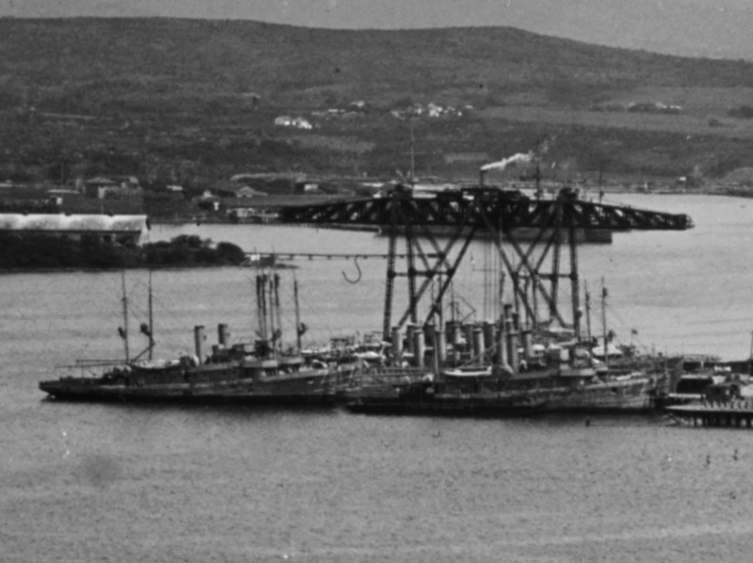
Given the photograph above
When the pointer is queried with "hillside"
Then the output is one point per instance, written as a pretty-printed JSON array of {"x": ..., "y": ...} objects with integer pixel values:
[
  {"x": 694, "y": 28},
  {"x": 130, "y": 57},
  {"x": 177, "y": 98}
]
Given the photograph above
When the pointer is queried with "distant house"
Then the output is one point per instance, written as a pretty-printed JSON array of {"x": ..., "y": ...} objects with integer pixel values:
[
  {"x": 236, "y": 190},
  {"x": 207, "y": 201},
  {"x": 125, "y": 187},
  {"x": 297, "y": 122},
  {"x": 653, "y": 107},
  {"x": 28, "y": 198},
  {"x": 237, "y": 208},
  {"x": 247, "y": 191},
  {"x": 308, "y": 187},
  {"x": 244, "y": 211},
  {"x": 95, "y": 187}
]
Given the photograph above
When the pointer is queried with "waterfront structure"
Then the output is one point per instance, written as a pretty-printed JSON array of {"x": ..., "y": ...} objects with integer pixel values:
[
  {"x": 116, "y": 229},
  {"x": 493, "y": 369},
  {"x": 467, "y": 214}
]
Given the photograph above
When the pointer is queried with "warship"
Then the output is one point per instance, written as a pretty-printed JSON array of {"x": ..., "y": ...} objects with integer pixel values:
[
  {"x": 503, "y": 366},
  {"x": 511, "y": 376},
  {"x": 257, "y": 373}
]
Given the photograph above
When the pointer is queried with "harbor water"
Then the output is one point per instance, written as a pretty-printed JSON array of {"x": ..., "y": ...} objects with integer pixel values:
[{"x": 88, "y": 482}]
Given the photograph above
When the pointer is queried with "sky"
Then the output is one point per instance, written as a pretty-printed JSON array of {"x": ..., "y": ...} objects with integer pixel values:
[{"x": 711, "y": 28}]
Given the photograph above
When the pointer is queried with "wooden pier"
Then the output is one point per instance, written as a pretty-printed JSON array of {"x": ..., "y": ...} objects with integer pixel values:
[{"x": 734, "y": 414}]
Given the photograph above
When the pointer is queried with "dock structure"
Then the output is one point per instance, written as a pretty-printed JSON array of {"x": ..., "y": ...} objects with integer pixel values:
[{"x": 734, "y": 414}]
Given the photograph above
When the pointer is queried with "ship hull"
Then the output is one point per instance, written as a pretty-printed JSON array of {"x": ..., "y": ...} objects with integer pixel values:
[
  {"x": 311, "y": 390},
  {"x": 619, "y": 397}
]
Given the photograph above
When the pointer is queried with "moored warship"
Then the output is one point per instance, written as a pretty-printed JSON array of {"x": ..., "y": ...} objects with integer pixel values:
[
  {"x": 253, "y": 374},
  {"x": 507, "y": 376}
]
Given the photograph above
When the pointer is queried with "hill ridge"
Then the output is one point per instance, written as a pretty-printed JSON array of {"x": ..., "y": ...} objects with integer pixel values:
[{"x": 203, "y": 95}]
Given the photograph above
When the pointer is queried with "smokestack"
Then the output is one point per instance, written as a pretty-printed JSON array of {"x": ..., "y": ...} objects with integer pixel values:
[
  {"x": 502, "y": 348},
  {"x": 527, "y": 345},
  {"x": 397, "y": 346},
  {"x": 469, "y": 330},
  {"x": 419, "y": 348},
  {"x": 481, "y": 177},
  {"x": 453, "y": 337},
  {"x": 430, "y": 339},
  {"x": 488, "y": 335},
  {"x": 440, "y": 345},
  {"x": 478, "y": 343},
  {"x": 410, "y": 338},
  {"x": 199, "y": 338},
  {"x": 223, "y": 334},
  {"x": 512, "y": 345},
  {"x": 508, "y": 311}
]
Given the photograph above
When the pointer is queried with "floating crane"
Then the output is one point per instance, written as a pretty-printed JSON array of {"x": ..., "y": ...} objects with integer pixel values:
[{"x": 494, "y": 214}]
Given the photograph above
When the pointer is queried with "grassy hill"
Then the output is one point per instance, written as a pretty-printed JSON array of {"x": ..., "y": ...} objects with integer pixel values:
[{"x": 172, "y": 99}]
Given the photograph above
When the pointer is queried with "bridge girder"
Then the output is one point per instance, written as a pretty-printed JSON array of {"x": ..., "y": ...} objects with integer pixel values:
[{"x": 508, "y": 212}]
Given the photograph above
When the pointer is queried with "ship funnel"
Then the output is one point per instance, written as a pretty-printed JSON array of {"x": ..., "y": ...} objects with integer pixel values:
[
  {"x": 478, "y": 344},
  {"x": 512, "y": 345},
  {"x": 223, "y": 334},
  {"x": 410, "y": 338},
  {"x": 488, "y": 336},
  {"x": 440, "y": 345},
  {"x": 453, "y": 335},
  {"x": 527, "y": 344},
  {"x": 199, "y": 338},
  {"x": 419, "y": 348},
  {"x": 508, "y": 311},
  {"x": 435, "y": 338},
  {"x": 469, "y": 331},
  {"x": 397, "y": 346},
  {"x": 502, "y": 348}
]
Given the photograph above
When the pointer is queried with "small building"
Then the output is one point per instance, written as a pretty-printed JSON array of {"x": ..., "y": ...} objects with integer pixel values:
[
  {"x": 245, "y": 211},
  {"x": 125, "y": 187},
  {"x": 236, "y": 190},
  {"x": 95, "y": 187},
  {"x": 296, "y": 122}
]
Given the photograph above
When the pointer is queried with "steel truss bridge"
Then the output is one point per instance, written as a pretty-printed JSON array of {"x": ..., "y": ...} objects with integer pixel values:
[{"x": 494, "y": 215}]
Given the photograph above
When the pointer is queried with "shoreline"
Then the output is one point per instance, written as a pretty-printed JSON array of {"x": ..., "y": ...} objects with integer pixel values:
[{"x": 218, "y": 220}]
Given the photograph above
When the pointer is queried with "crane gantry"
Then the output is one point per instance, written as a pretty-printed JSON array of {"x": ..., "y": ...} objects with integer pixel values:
[{"x": 495, "y": 215}]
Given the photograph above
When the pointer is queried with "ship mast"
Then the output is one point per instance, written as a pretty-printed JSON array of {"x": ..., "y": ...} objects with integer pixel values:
[
  {"x": 604, "y": 320},
  {"x": 298, "y": 327},
  {"x": 151, "y": 317},
  {"x": 588, "y": 312},
  {"x": 261, "y": 301},
  {"x": 272, "y": 331},
  {"x": 276, "y": 311},
  {"x": 124, "y": 332}
]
